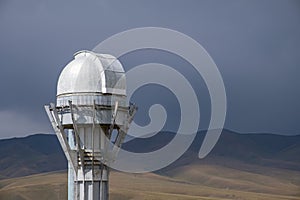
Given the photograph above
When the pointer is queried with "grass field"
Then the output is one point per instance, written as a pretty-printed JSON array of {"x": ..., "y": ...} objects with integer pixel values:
[{"x": 186, "y": 183}]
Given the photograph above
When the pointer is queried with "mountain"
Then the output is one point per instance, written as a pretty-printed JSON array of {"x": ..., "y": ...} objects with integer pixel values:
[
  {"x": 30, "y": 155},
  {"x": 42, "y": 153},
  {"x": 233, "y": 150},
  {"x": 241, "y": 166}
]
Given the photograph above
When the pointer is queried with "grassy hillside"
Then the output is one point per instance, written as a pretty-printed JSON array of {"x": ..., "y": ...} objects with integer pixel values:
[
  {"x": 30, "y": 155},
  {"x": 42, "y": 186},
  {"x": 188, "y": 183},
  {"x": 254, "y": 166}
]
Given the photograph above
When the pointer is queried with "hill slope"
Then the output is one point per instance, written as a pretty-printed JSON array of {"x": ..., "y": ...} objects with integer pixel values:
[
  {"x": 241, "y": 166},
  {"x": 42, "y": 152},
  {"x": 30, "y": 155},
  {"x": 210, "y": 183},
  {"x": 232, "y": 150}
]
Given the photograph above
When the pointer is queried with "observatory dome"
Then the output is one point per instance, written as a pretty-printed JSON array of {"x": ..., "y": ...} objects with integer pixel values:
[{"x": 93, "y": 73}]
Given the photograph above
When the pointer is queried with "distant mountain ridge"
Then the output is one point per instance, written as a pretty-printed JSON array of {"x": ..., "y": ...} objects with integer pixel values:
[
  {"x": 42, "y": 152},
  {"x": 232, "y": 150},
  {"x": 30, "y": 155}
]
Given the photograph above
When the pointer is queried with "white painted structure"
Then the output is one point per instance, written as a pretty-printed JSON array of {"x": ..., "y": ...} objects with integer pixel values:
[{"x": 90, "y": 107}]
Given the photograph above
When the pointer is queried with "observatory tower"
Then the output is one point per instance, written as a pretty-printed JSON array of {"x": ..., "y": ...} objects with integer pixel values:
[{"x": 91, "y": 119}]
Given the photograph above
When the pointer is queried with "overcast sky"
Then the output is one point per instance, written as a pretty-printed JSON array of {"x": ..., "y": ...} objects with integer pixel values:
[{"x": 255, "y": 44}]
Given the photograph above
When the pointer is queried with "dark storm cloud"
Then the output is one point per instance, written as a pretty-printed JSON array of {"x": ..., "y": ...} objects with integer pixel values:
[{"x": 255, "y": 44}]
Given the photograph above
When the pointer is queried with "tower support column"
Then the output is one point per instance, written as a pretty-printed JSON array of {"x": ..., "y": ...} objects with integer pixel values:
[
  {"x": 90, "y": 188},
  {"x": 71, "y": 175}
]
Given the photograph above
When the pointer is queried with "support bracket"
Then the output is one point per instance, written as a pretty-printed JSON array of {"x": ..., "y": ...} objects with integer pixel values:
[
  {"x": 77, "y": 138},
  {"x": 59, "y": 131}
]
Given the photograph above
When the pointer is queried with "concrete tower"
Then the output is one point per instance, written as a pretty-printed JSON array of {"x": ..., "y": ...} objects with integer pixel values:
[{"x": 91, "y": 119}]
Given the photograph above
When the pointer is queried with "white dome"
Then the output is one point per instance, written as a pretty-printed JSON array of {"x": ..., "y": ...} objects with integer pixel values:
[{"x": 92, "y": 73}]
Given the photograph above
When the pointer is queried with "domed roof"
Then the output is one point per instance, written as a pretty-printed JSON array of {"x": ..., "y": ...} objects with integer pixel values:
[{"x": 92, "y": 73}]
